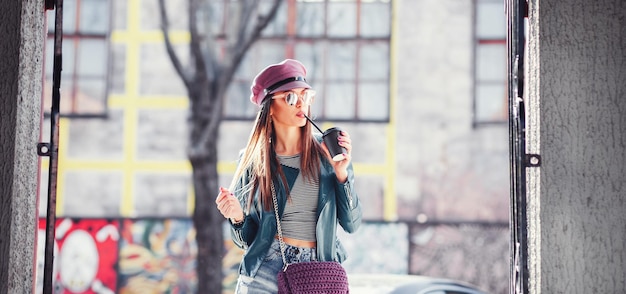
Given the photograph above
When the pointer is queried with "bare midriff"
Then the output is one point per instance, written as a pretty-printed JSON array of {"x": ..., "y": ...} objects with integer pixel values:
[{"x": 298, "y": 243}]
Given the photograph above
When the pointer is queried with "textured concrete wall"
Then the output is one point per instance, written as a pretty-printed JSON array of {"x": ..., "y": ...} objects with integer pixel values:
[
  {"x": 578, "y": 122},
  {"x": 21, "y": 52}
]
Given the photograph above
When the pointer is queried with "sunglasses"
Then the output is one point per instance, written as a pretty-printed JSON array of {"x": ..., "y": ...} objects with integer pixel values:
[{"x": 292, "y": 97}]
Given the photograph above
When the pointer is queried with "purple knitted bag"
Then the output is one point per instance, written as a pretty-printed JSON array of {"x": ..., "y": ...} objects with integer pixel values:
[
  {"x": 316, "y": 277},
  {"x": 321, "y": 277}
]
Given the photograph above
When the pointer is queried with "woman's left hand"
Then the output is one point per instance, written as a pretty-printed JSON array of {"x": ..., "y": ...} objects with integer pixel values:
[{"x": 341, "y": 167}]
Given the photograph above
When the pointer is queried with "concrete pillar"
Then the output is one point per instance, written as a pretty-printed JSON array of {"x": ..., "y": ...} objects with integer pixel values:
[
  {"x": 577, "y": 123},
  {"x": 21, "y": 53}
]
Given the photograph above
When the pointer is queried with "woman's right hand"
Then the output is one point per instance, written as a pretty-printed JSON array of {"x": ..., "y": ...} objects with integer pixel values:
[{"x": 229, "y": 206}]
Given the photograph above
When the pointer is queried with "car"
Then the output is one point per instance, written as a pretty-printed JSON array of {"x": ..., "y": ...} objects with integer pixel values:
[{"x": 408, "y": 284}]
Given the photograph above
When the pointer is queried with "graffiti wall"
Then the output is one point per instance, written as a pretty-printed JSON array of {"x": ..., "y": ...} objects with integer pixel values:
[
  {"x": 85, "y": 256},
  {"x": 102, "y": 256},
  {"x": 157, "y": 256},
  {"x": 128, "y": 256}
]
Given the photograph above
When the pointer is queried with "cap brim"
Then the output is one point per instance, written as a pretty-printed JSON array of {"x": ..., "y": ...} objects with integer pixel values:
[{"x": 291, "y": 85}]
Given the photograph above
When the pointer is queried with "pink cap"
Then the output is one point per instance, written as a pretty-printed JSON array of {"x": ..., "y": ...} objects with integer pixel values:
[{"x": 286, "y": 75}]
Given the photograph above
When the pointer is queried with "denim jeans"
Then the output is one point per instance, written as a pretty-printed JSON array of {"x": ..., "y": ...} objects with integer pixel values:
[{"x": 265, "y": 279}]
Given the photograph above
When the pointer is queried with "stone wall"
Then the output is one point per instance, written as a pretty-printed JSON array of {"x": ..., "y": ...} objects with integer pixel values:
[
  {"x": 577, "y": 224},
  {"x": 21, "y": 52}
]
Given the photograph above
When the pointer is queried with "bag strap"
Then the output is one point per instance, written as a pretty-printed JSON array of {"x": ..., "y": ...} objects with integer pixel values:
[{"x": 283, "y": 247}]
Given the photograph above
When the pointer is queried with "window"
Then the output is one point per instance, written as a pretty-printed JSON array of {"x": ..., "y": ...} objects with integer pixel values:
[
  {"x": 85, "y": 54},
  {"x": 490, "y": 77},
  {"x": 345, "y": 46}
]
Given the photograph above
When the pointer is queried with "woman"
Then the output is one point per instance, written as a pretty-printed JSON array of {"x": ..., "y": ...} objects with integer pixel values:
[{"x": 313, "y": 192}]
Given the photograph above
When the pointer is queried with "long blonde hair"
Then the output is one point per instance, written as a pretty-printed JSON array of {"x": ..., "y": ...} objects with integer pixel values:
[{"x": 260, "y": 164}]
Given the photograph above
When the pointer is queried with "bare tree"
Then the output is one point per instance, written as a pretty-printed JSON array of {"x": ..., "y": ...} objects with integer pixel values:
[{"x": 206, "y": 78}]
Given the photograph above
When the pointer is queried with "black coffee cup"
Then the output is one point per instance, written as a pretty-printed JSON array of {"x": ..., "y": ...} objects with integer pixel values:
[{"x": 332, "y": 143}]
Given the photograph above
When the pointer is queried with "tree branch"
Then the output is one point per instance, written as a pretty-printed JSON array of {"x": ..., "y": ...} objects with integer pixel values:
[
  {"x": 210, "y": 45},
  {"x": 244, "y": 42},
  {"x": 244, "y": 22},
  {"x": 243, "y": 45},
  {"x": 168, "y": 46},
  {"x": 196, "y": 50}
]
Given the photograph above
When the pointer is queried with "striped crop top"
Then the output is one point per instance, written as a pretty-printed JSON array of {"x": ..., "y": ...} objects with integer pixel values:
[{"x": 300, "y": 215}]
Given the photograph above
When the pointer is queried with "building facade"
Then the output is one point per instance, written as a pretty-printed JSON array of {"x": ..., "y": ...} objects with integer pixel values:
[{"x": 419, "y": 84}]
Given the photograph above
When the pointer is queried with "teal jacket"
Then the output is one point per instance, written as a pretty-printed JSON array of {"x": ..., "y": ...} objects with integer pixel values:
[{"x": 338, "y": 203}]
